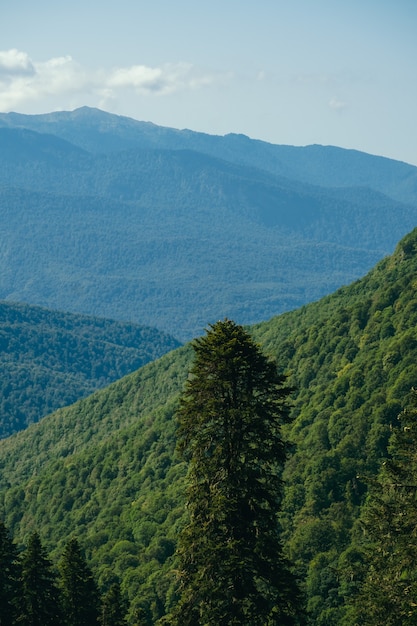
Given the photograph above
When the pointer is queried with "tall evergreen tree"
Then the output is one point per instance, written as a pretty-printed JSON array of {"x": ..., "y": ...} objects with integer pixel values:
[
  {"x": 80, "y": 597},
  {"x": 232, "y": 569},
  {"x": 41, "y": 600},
  {"x": 113, "y": 609},
  {"x": 388, "y": 593},
  {"x": 10, "y": 588}
]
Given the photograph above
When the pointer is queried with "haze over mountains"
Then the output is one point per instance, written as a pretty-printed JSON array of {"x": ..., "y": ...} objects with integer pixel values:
[{"x": 113, "y": 217}]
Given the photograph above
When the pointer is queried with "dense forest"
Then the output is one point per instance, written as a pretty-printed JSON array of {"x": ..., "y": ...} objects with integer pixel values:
[
  {"x": 50, "y": 359},
  {"x": 35, "y": 592},
  {"x": 128, "y": 503},
  {"x": 105, "y": 469},
  {"x": 108, "y": 216}
]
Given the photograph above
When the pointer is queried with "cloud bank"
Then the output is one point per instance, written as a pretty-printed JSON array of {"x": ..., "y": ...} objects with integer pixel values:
[{"x": 23, "y": 80}]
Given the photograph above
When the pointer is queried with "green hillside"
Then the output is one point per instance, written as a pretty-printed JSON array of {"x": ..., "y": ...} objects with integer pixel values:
[
  {"x": 105, "y": 470},
  {"x": 103, "y": 215},
  {"x": 353, "y": 360},
  {"x": 50, "y": 359}
]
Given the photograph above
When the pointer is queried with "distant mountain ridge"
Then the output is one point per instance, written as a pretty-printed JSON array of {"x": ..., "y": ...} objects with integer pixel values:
[
  {"x": 105, "y": 215},
  {"x": 97, "y": 131},
  {"x": 50, "y": 359}
]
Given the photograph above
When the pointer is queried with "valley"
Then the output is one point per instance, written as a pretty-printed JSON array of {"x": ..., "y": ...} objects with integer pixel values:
[
  {"x": 107, "y": 216},
  {"x": 147, "y": 235}
]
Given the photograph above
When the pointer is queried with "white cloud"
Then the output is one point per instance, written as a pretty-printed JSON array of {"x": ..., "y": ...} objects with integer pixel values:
[
  {"x": 337, "y": 105},
  {"x": 163, "y": 80},
  {"x": 23, "y": 80},
  {"x": 15, "y": 63},
  {"x": 56, "y": 76},
  {"x": 138, "y": 76}
]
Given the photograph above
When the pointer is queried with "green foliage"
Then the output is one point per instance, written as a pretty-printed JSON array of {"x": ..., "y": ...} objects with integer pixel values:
[
  {"x": 40, "y": 605},
  {"x": 113, "y": 479},
  {"x": 387, "y": 588},
  {"x": 10, "y": 589},
  {"x": 50, "y": 359},
  {"x": 113, "y": 609},
  {"x": 231, "y": 567},
  {"x": 105, "y": 469},
  {"x": 80, "y": 597},
  {"x": 352, "y": 358},
  {"x": 32, "y": 593}
]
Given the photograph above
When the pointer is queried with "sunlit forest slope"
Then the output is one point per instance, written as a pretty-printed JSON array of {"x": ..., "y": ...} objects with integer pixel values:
[{"x": 105, "y": 469}]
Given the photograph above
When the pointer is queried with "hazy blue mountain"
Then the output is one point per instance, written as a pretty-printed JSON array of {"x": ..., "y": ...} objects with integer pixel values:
[
  {"x": 108, "y": 216},
  {"x": 50, "y": 359},
  {"x": 328, "y": 166}
]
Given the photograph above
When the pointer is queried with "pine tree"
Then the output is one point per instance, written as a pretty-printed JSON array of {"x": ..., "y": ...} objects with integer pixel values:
[
  {"x": 232, "y": 569},
  {"x": 10, "y": 588},
  {"x": 80, "y": 597},
  {"x": 388, "y": 593},
  {"x": 41, "y": 600},
  {"x": 113, "y": 610}
]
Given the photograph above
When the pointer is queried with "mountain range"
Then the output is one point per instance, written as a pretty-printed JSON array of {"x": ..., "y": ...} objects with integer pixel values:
[
  {"x": 134, "y": 227},
  {"x": 111, "y": 217},
  {"x": 106, "y": 471}
]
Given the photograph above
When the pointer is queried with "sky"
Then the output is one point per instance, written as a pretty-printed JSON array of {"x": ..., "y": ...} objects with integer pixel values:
[{"x": 295, "y": 72}]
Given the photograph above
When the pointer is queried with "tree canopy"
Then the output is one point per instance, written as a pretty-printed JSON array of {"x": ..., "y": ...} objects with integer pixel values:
[
  {"x": 232, "y": 569},
  {"x": 10, "y": 588},
  {"x": 388, "y": 548},
  {"x": 41, "y": 600},
  {"x": 80, "y": 595}
]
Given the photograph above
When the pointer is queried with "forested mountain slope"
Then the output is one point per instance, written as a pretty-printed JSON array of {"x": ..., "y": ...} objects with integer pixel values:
[
  {"x": 105, "y": 470},
  {"x": 50, "y": 359},
  {"x": 109, "y": 216},
  {"x": 353, "y": 360}
]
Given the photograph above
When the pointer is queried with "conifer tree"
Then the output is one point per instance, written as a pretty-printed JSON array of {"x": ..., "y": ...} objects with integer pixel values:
[
  {"x": 80, "y": 596},
  {"x": 388, "y": 593},
  {"x": 10, "y": 589},
  {"x": 41, "y": 598},
  {"x": 232, "y": 569},
  {"x": 113, "y": 609}
]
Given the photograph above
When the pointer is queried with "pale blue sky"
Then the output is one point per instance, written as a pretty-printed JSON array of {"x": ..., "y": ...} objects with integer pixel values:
[{"x": 293, "y": 72}]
